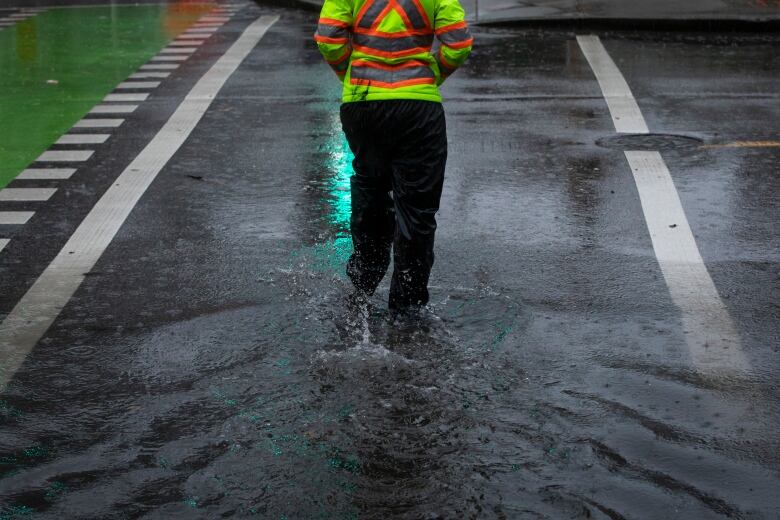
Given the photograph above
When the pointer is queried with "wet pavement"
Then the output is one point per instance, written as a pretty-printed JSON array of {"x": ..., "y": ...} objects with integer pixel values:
[{"x": 209, "y": 366}]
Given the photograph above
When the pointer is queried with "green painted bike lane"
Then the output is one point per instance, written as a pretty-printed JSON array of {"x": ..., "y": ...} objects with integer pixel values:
[{"x": 56, "y": 66}]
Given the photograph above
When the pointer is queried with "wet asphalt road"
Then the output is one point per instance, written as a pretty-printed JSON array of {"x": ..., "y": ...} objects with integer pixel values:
[{"x": 208, "y": 366}]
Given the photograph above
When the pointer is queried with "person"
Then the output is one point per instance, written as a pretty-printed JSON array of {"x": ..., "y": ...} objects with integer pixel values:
[{"x": 382, "y": 52}]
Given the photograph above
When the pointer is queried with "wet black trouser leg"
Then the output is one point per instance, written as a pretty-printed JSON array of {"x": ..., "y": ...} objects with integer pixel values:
[{"x": 400, "y": 148}]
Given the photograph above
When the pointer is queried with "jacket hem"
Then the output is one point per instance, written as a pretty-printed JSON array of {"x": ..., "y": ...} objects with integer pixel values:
[{"x": 380, "y": 96}]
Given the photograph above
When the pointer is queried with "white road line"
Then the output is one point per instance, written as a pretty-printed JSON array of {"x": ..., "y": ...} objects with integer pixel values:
[
  {"x": 222, "y": 19},
  {"x": 99, "y": 122},
  {"x": 179, "y": 50},
  {"x": 26, "y": 194},
  {"x": 137, "y": 85},
  {"x": 160, "y": 66},
  {"x": 65, "y": 155},
  {"x": 83, "y": 139},
  {"x": 39, "y": 307},
  {"x": 14, "y": 218},
  {"x": 622, "y": 105},
  {"x": 113, "y": 109},
  {"x": 146, "y": 75},
  {"x": 199, "y": 30},
  {"x": 194, "y": 35},
  {"x": 169, "y": 58},
  {"x": 126, "y": 97},
  {"x": 37, "y": 174},
  {"x": 3, "y": 243},
  {"x": 215, "y": 25},
  {"x": 709, "y": 331}
]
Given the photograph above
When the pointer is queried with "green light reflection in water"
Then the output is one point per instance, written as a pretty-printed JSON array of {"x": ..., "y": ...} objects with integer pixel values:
[{"x": 338, "y": 163}]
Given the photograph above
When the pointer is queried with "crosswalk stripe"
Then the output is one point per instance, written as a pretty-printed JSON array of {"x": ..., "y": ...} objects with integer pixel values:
[
  {"x": 15, "y": 218},
  {"x": 113, "y": 109},
  {"x": 126, "y": 97},
  {"x": 26, "y": 194},
  {"x": 138, "y": 84},
  {"x": 83, "y": 139},
  {"x": 98, "y": 122},
  {"x": 38, "y": 174},
  {"x": 65, "y": 155}
]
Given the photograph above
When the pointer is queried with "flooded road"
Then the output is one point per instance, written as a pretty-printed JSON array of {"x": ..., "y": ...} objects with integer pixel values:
[{"x": 209, "y": 365}]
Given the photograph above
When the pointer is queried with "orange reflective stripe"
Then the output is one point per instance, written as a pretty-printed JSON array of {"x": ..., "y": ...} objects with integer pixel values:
[
  {"x": 335, "y": 23},
  {"x": 451, "y": 27},
  {"x": 390, "y": 54},
  {"x": 461, "y": 44},
  {"x": 384, "y": 66},
  {"x": 384, "y": 12},
  {"x": 396, "y": 84},
  {"x": 335, "y": 41}
]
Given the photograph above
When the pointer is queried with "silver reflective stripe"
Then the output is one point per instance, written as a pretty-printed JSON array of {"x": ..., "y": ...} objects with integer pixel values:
[
  {"x": 456, "y": 36},
  {"x": 414, "y": 15},
  {"x": 406, "y": 43},
  {"x": 408, "y": 6},
  {"x": 373, "y": 11},
  {"x": 331, "y": 31},
  {"x": 396, "y": 75}
]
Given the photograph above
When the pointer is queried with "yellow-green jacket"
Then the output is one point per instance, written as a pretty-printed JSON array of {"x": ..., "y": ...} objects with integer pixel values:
[{"x": 382, "y": 49}]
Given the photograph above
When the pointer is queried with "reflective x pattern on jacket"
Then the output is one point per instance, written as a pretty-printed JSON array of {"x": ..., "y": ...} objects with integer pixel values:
[{"x": 382, "y": 49}]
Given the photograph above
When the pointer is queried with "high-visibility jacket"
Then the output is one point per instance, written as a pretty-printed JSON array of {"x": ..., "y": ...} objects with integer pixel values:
[{"x": 382, "y": 49}]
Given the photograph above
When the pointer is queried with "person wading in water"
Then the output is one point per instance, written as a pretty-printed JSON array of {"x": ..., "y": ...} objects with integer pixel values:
[{"x": 382, "y": 51}]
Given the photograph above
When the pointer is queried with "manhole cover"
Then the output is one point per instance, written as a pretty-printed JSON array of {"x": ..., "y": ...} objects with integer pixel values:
[{"x": 649, "y": 142}]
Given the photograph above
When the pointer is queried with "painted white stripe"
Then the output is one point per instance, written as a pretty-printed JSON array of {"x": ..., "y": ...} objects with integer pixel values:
[
  {"x": 3, "y": 243},
  {"x": 83, "y": 139},
  {"x": 160, "y": 66},
  {"x": 39, "y": 307},
  {"x": 113, "y": 109},
  {"x": 38, "y": 174},
  {"x": 169, "y": 58},
  {"x": 622, "y": 105},
  {"x": 137, "y": 85},
  {"x": 222, "y": 19},
  {"x": 21, "y": 16},
  {"x": 14, "y": 218},
  {"x": 26, "y": 194},
  {"x": 185, "y": 43},
  {"x": 179, "y": 50},
  {"x": 194, "y": 35},
  {"x": 99, "y": 122},
  {"x": 126, "y": 97},
  {"x": 65, "y": 155},
  {"x": 208, "y": 24},
  {"x": 145, "y": 75},
  {"x": 710, "y": 332},
  {"x": 202, "y": 30}
]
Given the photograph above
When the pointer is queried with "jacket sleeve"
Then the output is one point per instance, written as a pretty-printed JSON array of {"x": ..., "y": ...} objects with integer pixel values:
[
  {"x": 333, "y": 32},
  {"x": 453, "y": 33}
]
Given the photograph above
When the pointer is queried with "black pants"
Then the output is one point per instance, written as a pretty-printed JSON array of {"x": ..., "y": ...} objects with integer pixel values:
[{"x": 400, "y": 148}]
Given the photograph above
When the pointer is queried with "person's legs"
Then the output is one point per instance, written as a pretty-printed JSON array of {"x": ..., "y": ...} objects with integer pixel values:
[
  {"x": 372, "y": 220},
  {"x": 418, "y": 165}
]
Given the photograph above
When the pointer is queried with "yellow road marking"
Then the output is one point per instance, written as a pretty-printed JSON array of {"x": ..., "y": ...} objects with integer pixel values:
[{"x": 744, "y": 144}]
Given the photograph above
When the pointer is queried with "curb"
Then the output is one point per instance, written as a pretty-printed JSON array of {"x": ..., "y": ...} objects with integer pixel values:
[{"x": 612, "y": 24}]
